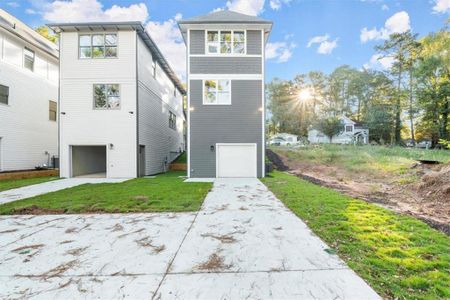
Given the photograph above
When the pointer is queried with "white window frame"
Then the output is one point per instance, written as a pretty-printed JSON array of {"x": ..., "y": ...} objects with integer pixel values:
[
  {"x": 232, "y": 41},
  {"x": 351, "y": 126},
  {"x": 104, "y": 45},
  {"x": 217, "y": 91},
  {"x": 32, "y": 58},
  {"x": 106, "y": 86},
  {"x": 172, "y": 120}
]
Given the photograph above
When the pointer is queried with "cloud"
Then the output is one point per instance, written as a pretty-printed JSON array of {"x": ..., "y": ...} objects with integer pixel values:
[
  {"x": 168, "y": 38},
  {"x": 441, "y": 6},
  {"x": 91, "y": 11},
  {"x": 377, "y": 61},
  {"x": 280, "y": 51},
  {"x": 384, "y": 7},
  {"x": 397, "y": 23},
  {"x": 13, "y": 4},
  {"x": 326, "y": 46},
  {"x": 248, "y": 7},
  {"x": 277, "y": 4},
  {"x": 30, "y": 11}
]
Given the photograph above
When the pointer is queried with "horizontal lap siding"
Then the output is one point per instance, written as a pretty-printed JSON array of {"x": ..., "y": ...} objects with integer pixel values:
[
  {"x": 197, "y": 42},
  {"x": 155, "y": 100},
  {"x": 239, "y": 122},
  {"x": 225, "y": 65},
  {"x": 254, "y": 42}
]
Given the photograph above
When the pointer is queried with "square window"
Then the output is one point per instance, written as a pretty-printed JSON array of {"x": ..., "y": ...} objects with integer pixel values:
[
  {"x": 111, "y": 51},
  {"x": 4, "y": 94},
  {"x": 85, "y": 52},
  {"x": 98, "y": 46},
  {"x": 98, "y": 40},
  {"x": 85, "y": 41},
  {"x": 28, "y": 60},
  {"x": 111, "y": 40},
  {"x": 217, "y": 92}
]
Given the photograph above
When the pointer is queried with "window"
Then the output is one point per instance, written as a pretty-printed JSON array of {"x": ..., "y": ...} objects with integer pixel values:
[
  {"x": 52, "y": 110},
  {"x": 154, "y": 68},
  {"x": 217, "y": 92},
  {"x": 225, "y": 42},
  {"x": 98, "y": 45},
  {"x": 172, "y": 120},
  {"x": 28, "y": 59},
  {"x": 4, "y": 94},
  {"x": 106, "y": 96},
  {"x": 174, "y": 91},
  {"x": 348, "y": 128}
]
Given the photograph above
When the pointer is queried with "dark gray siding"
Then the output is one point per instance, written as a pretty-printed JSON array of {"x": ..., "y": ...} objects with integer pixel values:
[
  {"x": 254, "y": 42},
  {"x": 226, "y": 65},
  {"x": 197, "y": 42},
  {"x": 240, "y": 122}
]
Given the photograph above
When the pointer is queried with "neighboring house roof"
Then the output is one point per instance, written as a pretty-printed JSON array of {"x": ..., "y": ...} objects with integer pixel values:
[
  {"x": 133, "y": 25},
  {"x": 225, "y": 17},
  {"x": 21, "y": 30}
]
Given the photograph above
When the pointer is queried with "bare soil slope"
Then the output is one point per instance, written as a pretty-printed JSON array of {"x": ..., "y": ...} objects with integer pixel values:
[{"x": 426, "y": 198}]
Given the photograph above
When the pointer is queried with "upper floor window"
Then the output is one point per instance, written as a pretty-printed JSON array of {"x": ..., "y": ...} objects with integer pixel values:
[
  {"x": 98, "y": 45},
  {"x": 217, "y": 92},
  {"x": 348, "y": 128},
  {"x": 52, "y": 110},
  {"x": 225, "y": 42},
  {"x": 172, "y": 120},
  {"x": 4, "y": 94},
  {"x": 28, "y": 59},
  {"x": 154, "y": 68},
  {"x": 174, "y": 90},
  {"x": 106, "y": 96}
]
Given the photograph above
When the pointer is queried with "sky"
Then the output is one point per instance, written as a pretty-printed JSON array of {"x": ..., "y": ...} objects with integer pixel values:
[{"x": 307, "y": 35}]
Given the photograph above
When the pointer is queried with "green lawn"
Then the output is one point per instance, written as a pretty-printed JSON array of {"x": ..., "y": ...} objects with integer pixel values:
[
  {"x": 372, "y": 159},
  {"x": 17, "y": 183},
  {"x": 182, "y": 159},
  {"x": 399, "y": 256},
  {"x": 164, "y": 193}
]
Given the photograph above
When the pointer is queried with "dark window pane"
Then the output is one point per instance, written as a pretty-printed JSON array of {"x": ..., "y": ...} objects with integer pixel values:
[
  {"x": 98, "y": 52},
  {"x": 4, "y": 94},
  {"x": 85, "y": 40},
  {"x": 111, "y": 40},
  {"x": 98, "y": 40},
  {"x": 99, "y": 96},
  {"x": 85, "y": 52},
  {"x": 111, "y": 52}
]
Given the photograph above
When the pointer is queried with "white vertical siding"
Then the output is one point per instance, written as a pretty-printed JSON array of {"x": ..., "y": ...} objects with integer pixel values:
[
  {"x": 25, "y": 129},
  {"x": 156, "y": 99},
  {"x": 81, "y": 124}
]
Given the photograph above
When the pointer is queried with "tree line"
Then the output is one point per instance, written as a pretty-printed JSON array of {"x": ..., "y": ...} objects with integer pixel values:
[{"x": 408, "y": 101}]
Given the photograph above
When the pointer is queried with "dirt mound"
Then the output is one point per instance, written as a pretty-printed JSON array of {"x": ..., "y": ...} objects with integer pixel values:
[
  {"x": 35, "y": 210},
  {"x": 276, "y": 160},
  {"x": 436, "y": 184}
]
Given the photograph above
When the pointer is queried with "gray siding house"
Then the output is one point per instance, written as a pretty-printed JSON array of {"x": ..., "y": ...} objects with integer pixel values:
[{"x": 226, "y": 105}]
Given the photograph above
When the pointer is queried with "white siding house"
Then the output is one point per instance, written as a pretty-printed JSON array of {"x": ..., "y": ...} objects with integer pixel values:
[
  {"x": 28, "y": 96},
  {"x": 120, "y": 103},
  {"x": 352, "y": 132}
]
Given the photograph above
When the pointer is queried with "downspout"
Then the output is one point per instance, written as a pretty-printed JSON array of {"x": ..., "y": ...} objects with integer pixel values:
[{"x": 138, "y": 173}]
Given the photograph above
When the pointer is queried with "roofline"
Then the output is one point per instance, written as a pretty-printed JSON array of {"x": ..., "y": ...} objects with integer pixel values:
[
  {"x": 140, "y": 29},
  {"x": 54, "y": 54},
  {"x": 225, "y": 22}
]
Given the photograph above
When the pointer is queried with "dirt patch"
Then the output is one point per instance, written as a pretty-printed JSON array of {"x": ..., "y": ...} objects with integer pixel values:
[
  {"x": 35, "y": 210},
  {"x": 215, "y": 262},
  {"x": 226, "y": 239},
  {"x": 117, "y": 227},
  {"x": 27, "y": 248},
  {"x": 76, "y": 251},
  {"x": 8, "y": 231},
  {"x": 140, "y": 198},
  {"x": 147, "y": 242},
  {"x": 276, "y": 160},
  {"x": 422, "y": 192},
  {"x": 59, "y": 270}
]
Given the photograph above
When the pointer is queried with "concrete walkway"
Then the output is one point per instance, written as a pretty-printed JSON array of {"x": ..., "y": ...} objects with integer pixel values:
[
  {"x": 242, "y": 244},
  {"x": 50, "y": 186}
]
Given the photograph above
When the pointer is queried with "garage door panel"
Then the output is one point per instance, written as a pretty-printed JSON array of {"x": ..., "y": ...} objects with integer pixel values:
[{"x": 236, "y": 160}]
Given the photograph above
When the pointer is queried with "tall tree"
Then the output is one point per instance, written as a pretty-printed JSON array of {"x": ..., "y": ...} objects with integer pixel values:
[
  {"x": 45, "y": 32},
  {"x": 398, "y": 47}
]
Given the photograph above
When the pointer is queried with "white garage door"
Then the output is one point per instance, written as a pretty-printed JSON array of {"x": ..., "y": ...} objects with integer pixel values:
[{"x": 236, "y": 160}]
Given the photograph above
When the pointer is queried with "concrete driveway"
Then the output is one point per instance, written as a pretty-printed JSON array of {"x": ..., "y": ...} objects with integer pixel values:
[{"x": 243, "y": 243}]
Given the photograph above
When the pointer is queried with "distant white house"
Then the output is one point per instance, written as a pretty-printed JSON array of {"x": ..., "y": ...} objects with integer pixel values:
[
  {"x": 28, "y": 96},
  {"x": 353, "y": 132}
]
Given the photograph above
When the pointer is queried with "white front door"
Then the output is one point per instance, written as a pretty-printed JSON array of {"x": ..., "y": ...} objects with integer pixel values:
[{"x": 236, "y": 160}]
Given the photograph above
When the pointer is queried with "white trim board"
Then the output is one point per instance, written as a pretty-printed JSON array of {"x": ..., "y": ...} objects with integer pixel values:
[{"x": 225, "y": 76}]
